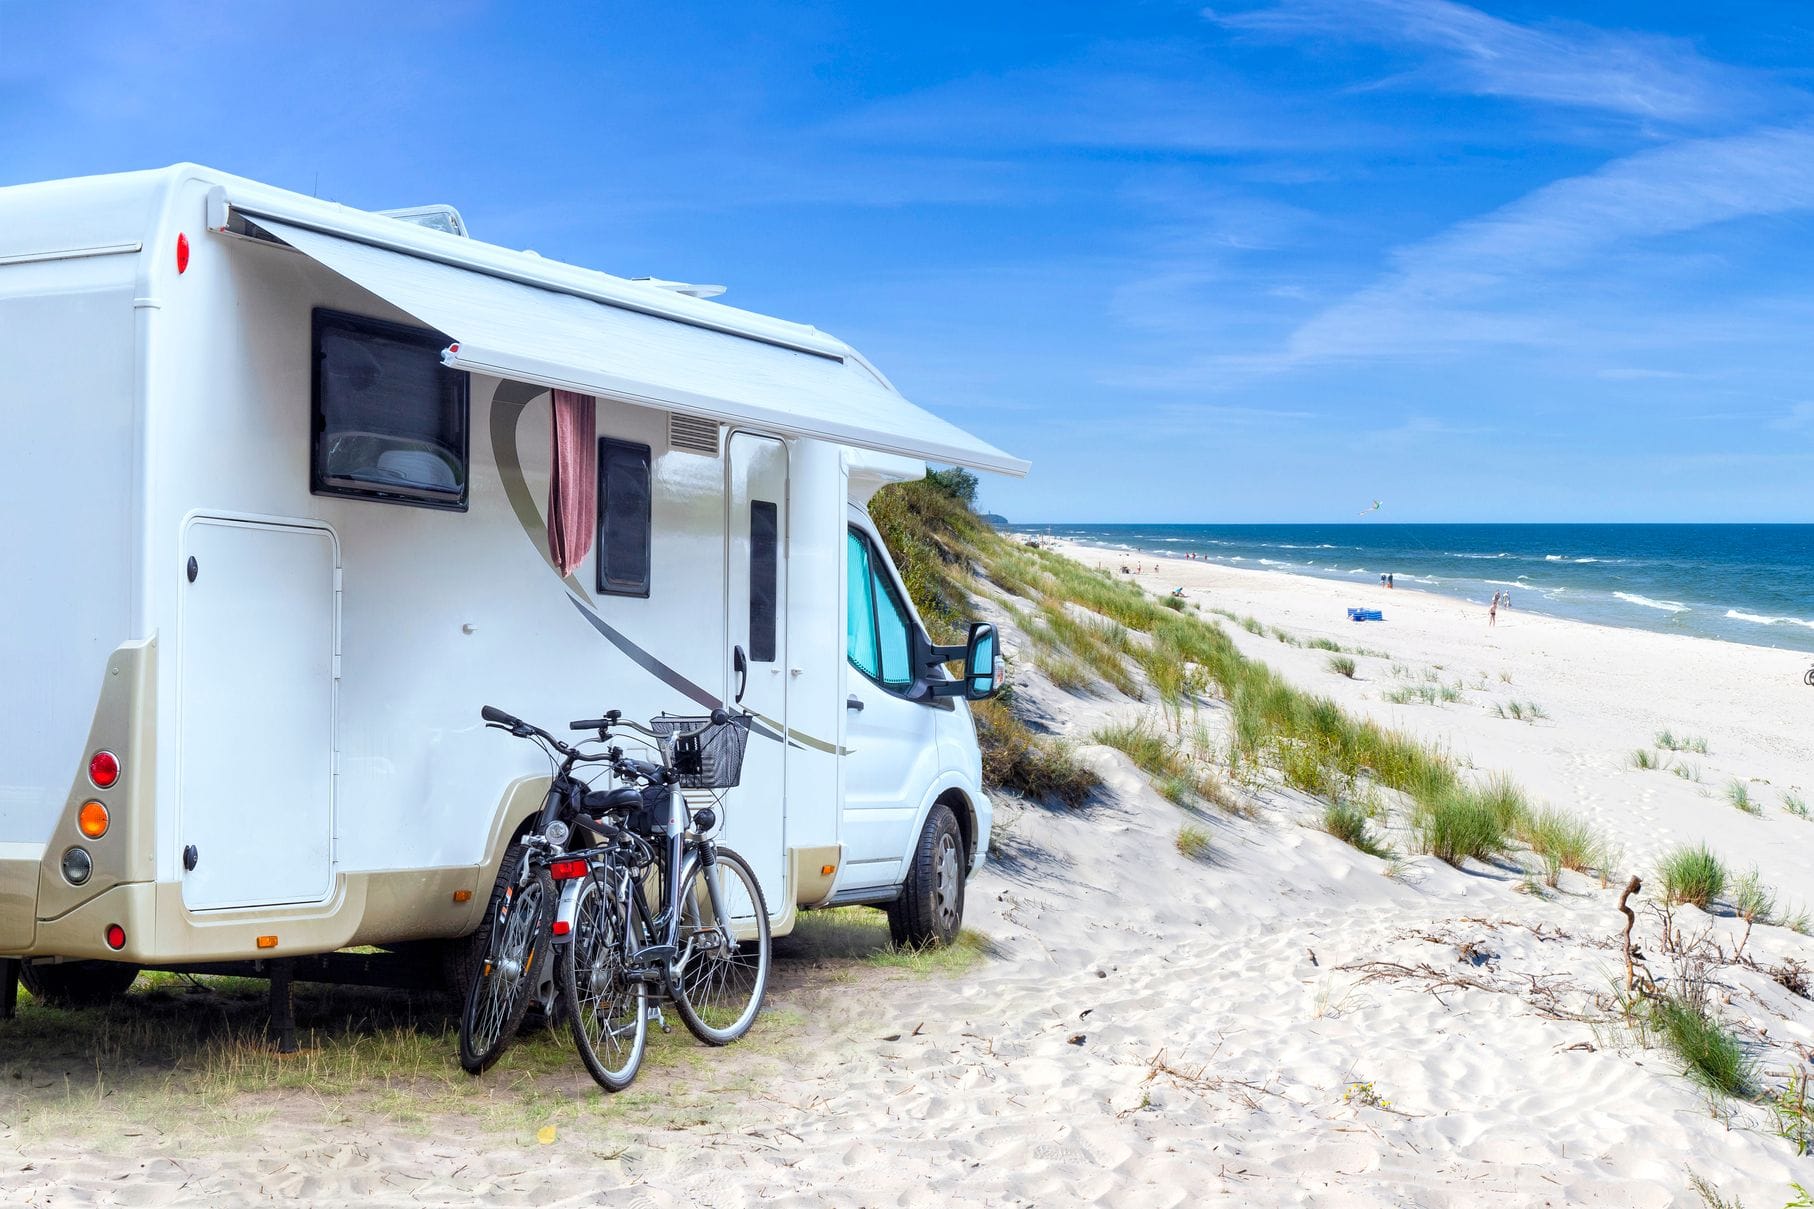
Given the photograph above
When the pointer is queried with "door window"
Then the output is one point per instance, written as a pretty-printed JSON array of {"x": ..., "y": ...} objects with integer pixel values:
[
  {"x": 878, "y": 629},
  {"x": 765, "y": 578},
  {"x": 624, "y": 527}
]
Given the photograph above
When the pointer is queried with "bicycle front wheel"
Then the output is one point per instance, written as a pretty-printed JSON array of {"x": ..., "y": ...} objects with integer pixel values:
[
  {"x": 721, "y": 964},
  {"x": 607, "y": 1012},
  {"x": 499, "y": 996}
]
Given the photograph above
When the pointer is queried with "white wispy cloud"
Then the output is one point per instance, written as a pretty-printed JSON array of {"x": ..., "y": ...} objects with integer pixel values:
[
  {"x": 1442, "y": 292},
  {"x": 1637, "y": 75}
]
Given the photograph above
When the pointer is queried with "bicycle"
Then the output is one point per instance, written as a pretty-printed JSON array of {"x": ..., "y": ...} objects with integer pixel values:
[
  {"x": 1809, "y": 678},
  {"x": 707, "y": 949}
]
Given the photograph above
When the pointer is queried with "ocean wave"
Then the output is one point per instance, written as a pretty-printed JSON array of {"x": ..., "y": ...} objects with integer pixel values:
[
  {"x": 1452, "y": 554},
  {"x": 1758, "y": 619},
  {"x": 1667, "y": 606}
]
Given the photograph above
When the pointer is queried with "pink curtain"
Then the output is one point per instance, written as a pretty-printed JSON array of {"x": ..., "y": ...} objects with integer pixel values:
[{"x": 573, "y": 486}]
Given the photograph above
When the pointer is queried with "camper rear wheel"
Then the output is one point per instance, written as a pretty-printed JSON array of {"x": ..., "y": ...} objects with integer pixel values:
[
  {"x": 930, "y": 910},
  {"x": 77, "y": 984}
]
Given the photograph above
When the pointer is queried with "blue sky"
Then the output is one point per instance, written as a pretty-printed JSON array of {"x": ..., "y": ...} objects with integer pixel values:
[{"x": 1241, "y": 263}]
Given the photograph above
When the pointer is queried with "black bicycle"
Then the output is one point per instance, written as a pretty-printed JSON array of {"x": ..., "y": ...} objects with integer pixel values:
[{"x": 706, "y": 947}]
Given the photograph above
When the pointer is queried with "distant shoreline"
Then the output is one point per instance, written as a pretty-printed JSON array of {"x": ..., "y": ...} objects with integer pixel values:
[{"x": 1736, "y": 585}]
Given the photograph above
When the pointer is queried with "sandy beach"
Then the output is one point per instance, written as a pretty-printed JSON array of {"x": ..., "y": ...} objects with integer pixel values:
[{"x": 1283, "y": 1021}]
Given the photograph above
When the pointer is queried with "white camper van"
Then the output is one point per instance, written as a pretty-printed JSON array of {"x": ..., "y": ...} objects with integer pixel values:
[{"x": 276, "y": 492}]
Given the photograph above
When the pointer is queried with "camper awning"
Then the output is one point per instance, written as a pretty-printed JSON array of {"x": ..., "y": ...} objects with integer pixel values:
[{"x": 515, "y": 329}]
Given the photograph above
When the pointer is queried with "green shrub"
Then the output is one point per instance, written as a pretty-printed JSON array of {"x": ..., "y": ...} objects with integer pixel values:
[
  {"x": 1342, "y": 665},
  {"x": 1710, "y": 1055},
  {"x": 1692, "y": 875}
]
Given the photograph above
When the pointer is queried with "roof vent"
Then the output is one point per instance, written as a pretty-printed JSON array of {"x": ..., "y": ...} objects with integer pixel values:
[
  {"x": 435, "y": 218},
  {"x": 682, "y": 287},
  {"x": 693, "y": 434}
]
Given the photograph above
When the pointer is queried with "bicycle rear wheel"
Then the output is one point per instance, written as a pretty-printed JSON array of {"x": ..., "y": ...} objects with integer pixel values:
[
  {"x": 721, "y": 967},
  {"x": 500, "y": 993},
  {"x": 607, "y": 1012}
]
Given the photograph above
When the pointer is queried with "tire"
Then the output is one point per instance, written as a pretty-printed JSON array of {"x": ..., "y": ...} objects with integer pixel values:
[
  {"x": 608, "y": 1016},
  {"x": 499, "y": 996},
  {"x": 461, "y": 956},
  {"x": 77, "y": 984},
  {"x": 718, "y": 988},
  {"x": 930, "y": 910}
]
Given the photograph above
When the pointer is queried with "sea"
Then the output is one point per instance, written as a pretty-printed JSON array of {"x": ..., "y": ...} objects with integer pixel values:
[{"x": 1742, "y": 583}]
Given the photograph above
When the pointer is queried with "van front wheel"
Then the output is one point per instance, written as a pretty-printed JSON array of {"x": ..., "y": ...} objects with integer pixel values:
[{"x": 930, "y": 910}]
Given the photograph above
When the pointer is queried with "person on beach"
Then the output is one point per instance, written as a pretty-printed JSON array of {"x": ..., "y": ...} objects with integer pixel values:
[
  {"x": 1505, "y": 601},
  {"x": 1492, "y": 611}
]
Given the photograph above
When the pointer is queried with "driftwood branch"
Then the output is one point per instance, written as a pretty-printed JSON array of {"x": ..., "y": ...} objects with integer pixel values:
[{"x": 1631, "y": 919}]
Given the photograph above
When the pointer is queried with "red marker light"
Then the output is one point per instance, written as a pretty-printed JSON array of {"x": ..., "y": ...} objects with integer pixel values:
[
  {"x": 116, "y": 937},
  {"x": 562, "y": 927},
  {"x": 104, "y": 769},
  {"x": 182, "y": 253}
]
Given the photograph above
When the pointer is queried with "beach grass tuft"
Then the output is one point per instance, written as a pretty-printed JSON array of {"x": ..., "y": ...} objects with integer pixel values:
[
  {"x": 1342, "y": 665},
  {"x": 1692, "y": 875},
  {"x": 1561, "y": 841},
  {"x": 1066, "y": 671},
  {"x": 1710, "y": 1054},
  {"x": 1192, "y": 842},
  {"x": 1739, "y": 794},
  {"x": 1643, "y": 758},
  {"x": 1038, "y": 766},
  {"x": 1324, "y": 644},
  {"x": 1461, "y": 823},
  {"x": 1795, "y": 804},
  {"x": 1347, "y": 821},
  {"x": 1687, "y": 770}
]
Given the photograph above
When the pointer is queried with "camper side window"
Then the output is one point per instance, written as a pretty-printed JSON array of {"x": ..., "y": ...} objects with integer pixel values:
[
  {"x": 390, "y": 419},
  {"x": 877, "y": 631},
  {"x": 624, "y": 526}
]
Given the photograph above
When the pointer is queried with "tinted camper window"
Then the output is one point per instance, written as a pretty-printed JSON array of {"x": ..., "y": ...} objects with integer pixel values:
[
  {"x": 765, "y": 578},
  {"x": 623, "y": 518},
  {"x": 389, "y": 418}
]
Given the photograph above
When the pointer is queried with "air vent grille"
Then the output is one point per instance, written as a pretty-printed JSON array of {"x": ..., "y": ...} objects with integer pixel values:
[{"x": 693, "y": 434}]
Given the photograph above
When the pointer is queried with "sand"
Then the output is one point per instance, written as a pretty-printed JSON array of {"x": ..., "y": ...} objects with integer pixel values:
[{"x": 1152, "y": 1029}]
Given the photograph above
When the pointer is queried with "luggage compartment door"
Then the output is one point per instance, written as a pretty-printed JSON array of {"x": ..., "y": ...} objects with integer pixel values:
[{"x": 257, "y": 670}]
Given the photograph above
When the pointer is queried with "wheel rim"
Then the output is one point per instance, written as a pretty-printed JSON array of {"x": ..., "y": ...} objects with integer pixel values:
[
  {"x": 610, "y": 1007},
  {"x": 947, "y": 884},
  {"x": 721, "y": 979},
  {"x": 510, "y": 958}
]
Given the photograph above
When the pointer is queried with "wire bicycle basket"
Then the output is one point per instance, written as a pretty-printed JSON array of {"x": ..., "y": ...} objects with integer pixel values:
[{"x": 712, "y": 759}]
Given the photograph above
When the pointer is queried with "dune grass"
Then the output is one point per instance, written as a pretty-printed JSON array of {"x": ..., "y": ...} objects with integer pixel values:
[
  {"x": 1739, "y": 795},
  {"x": 1461, "y": 822},
  {"x": 1795, "y": 804},
  {"x": 1692, "y": 875},
  {"x": 1687, "y": 770},
  {"x": 1192, "y": 842},
  {"x": 1040, "y": 767},
  {"x": 1561, "y": 841},
  {"x": 1520, "y": 711},
  {"x": 1342, "y": 665},
  {"x": 1645, "y": 759},
  {"x": 1348, "y": 822},
  {"x": 1669, "y": 741},
  {"x": 1710, "y": 1054},
  {"x": 1066, "y": 671}
]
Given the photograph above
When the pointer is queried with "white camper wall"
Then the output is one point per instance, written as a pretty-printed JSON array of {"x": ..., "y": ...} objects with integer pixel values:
[
  {"x": 441, "y": 612},
  {"x": 68, "y": 504}
]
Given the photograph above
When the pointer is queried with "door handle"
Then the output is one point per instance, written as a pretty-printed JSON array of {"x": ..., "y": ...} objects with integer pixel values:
[{"x": 854, "y": 702}]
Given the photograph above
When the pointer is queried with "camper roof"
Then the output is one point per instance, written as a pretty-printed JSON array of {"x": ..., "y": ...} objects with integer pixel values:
[{"x": 520, "y": 316}]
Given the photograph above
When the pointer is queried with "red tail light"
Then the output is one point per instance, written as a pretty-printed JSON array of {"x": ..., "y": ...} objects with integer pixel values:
[
  {"x": 566, "y": 871},
  {"x": 104, "y": 769},
  {"x": 116, "y": 937},
  {"x": 562, "y": 927},
  {"x": 182, "y": 253}
]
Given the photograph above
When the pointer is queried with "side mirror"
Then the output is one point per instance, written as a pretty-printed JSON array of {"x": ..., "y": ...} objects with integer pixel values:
[{"x": 982, "y": 662}]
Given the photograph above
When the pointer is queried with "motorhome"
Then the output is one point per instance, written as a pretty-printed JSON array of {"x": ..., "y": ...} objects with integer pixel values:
[{"x": 291, "y": 490}]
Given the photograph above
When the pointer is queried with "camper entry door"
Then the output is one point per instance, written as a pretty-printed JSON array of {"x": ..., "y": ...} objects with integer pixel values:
[
  {"x": 256, "y": 686},
  {"x": 756, "y": 620}
]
